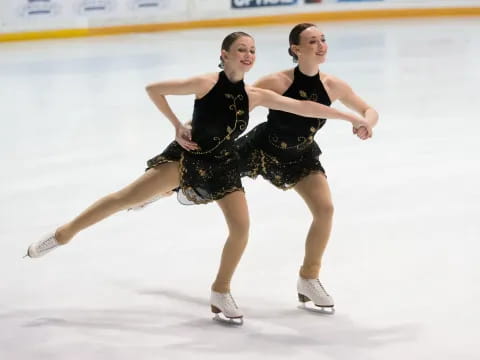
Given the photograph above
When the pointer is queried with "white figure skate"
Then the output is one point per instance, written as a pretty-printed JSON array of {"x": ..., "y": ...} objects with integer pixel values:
[
  {"x": 42, "y": 247},
  {"x": 149, "y": 202},
  {"x": 225, "y": 309},
  {"x": 313, "y": 290}
]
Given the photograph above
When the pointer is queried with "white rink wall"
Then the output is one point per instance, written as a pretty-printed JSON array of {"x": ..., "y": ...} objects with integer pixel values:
[{"x": 18, "y": 16}]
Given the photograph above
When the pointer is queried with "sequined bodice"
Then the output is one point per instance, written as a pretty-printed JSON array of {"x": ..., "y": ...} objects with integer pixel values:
[
  {"x": 290, "y": 131},
  {"x": 220, "y": 117}
]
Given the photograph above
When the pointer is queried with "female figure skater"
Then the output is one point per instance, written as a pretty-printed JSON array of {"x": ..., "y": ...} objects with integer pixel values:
[
  {"x": 284, "y": 152},
  {"x": 202, "y": 162}
]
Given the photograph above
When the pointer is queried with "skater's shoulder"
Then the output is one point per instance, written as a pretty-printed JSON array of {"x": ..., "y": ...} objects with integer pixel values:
[{"x": 278, "y": 81}]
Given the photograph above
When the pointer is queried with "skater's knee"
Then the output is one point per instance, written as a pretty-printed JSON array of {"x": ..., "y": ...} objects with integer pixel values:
[
  {"x": 238, "y": 233},
  {"x": 117, "y": 198},
  {"x": 240, "y": 227},
  {"x": 323, "y": 209}
]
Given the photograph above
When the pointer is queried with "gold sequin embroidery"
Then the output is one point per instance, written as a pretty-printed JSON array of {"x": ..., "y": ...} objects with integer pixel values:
[
  {"x": 302, "y": 141},
  {"x": 240, "y": 123}
]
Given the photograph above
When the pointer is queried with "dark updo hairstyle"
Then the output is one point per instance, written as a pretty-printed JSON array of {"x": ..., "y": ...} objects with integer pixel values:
[
  {"x": 228, "y": 41},
  {"x": 294, "y": 38}
]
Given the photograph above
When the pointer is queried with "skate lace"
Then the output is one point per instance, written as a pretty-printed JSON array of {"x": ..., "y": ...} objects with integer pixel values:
[
  {"x": 231, "y": 300},
  {"x": 317, "y": 282},
  {"x": 47, "y": 244}
]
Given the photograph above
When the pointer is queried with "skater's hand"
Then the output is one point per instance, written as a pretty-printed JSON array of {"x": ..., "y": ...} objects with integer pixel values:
[
  {"x": 362, "y": 132},
  {"x": 183, "y": 136},
  {"x": 362, "y": 128}
]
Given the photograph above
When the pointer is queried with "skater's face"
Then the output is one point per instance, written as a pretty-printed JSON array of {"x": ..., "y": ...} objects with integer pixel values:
[
  {"x": 312, "y": 46},
  {"x": 240, "y": 55}
]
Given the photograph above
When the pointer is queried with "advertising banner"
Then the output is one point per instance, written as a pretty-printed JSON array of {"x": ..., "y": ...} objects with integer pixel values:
[
  {"x": 337, "y": 1},
  {"x": 242, "y": 4},
  {"x": 35, "y": 9},
  {"x": 357, "y": 0},
  {"x": 30, "y": 15},
  {"x": 26, "y": 15},
  {"x": 94, "y": 7}
]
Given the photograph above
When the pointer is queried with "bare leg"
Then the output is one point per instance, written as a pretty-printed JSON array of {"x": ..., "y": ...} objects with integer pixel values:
[
  {"x": 315, "y": 191},
  {"x": 235, "y": 210},
  {"x": 158, "y": 180}
]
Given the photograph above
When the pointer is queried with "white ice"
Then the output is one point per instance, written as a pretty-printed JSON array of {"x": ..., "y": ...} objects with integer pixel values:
[{"x": 402, "y": 263}]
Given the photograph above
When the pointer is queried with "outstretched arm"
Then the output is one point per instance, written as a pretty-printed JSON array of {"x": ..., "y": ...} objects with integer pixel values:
[
  {"x": 198, "y": 86},
  {"x": 270, "y": 99}
]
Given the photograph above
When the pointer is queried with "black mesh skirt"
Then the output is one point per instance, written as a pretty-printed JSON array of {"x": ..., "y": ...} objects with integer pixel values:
[
  {"x": 203, "y": 178},
  {"x": 284, "y": 168}
]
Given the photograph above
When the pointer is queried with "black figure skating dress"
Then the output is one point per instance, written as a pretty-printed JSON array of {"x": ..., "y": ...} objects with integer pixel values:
[
  {"x": 282, "y": 149},
  {"x": 212, "y": 171}
]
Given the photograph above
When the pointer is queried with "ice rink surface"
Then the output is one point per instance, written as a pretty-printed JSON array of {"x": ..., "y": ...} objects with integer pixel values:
[{"x": 402, "y": 263}]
